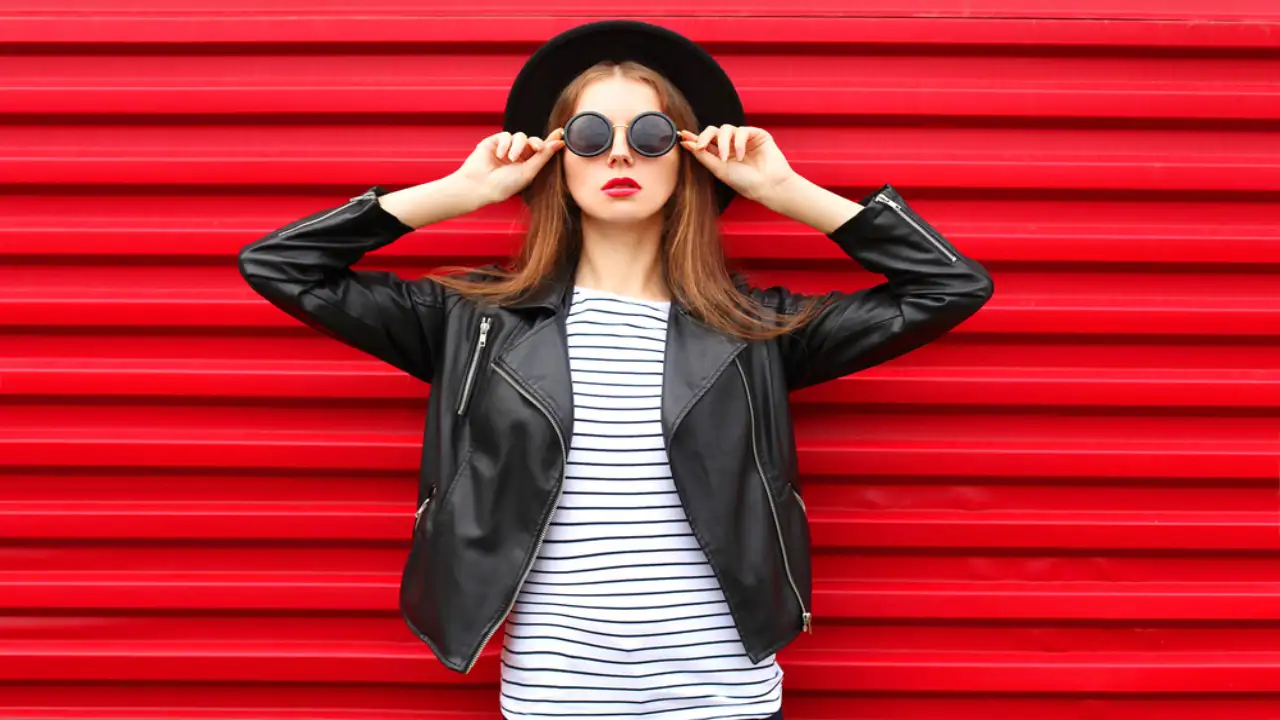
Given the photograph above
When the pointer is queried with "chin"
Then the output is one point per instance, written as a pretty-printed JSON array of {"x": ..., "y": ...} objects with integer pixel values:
[{"x": 620, "y": 211}]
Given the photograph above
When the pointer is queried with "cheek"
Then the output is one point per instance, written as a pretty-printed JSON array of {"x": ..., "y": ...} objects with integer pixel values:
[
  {"x": 577, "y": 175},
  {"x": 671, "y": 167},
  {"x": 665, "y": 172}
]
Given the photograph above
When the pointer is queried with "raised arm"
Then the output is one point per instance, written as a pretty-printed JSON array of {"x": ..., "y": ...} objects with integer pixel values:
[
  {"x": 930, "y": 286},
  {"x": 305, "y": 267}
]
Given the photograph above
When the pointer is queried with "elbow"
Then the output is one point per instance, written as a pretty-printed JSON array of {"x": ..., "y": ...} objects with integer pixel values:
[
  {"x": 245, "y": 262},
  {"x": 252, "y": 267},
  {"x": 965, "y": 297},
  {"x": 983, "y": 288},
  {"x": 263, "y": 272},
  {"x": 975, "y": 290}
]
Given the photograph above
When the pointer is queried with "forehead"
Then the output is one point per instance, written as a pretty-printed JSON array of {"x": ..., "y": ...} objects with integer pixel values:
[{"x": 619, "y": 98}]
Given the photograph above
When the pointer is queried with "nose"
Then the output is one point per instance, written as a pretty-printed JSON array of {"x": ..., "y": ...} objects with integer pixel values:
[{"x": 620, "y": 153}]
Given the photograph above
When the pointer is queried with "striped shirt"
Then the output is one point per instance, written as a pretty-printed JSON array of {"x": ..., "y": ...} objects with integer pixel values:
[{"x": 621, "y": 615}]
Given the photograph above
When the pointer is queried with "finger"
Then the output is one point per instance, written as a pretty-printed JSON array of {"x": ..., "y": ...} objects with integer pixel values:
[
  {"x": 538, "y": 160},
  {"x": 707, "y": 136},
  {"x": 740, "y": 138},
  {"x": 550, "y": 145},
  {"x": 490, "y": 144},
  {"x": 518, "y": 143},
  {"x": 759, "y": 136},
  {"x": 724, "y": 141},
  {"x": 504, "y": 144},
  {"x": 704, "y": 156},
  {"x": 548, "y": 148},
  {"x": 535, "y": 143}
]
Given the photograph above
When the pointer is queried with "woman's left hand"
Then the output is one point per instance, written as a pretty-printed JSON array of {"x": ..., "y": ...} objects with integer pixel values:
[{"x": 745, "y": 158}]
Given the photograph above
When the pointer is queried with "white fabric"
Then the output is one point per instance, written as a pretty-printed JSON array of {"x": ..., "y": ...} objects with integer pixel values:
[{"x": 621, "y": 615}]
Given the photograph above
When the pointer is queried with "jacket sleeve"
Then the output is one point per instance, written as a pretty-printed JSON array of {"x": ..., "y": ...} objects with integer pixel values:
[
  {"x": 304, "y": 268},
  {"x": 930, "y": 288}
]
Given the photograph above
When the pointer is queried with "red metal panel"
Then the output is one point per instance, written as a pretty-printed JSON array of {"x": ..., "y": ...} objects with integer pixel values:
[{"x": 1065, "y": 509}]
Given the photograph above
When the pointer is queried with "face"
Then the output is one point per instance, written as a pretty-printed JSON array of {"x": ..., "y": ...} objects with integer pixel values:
[{"x": 620, "y": 99}]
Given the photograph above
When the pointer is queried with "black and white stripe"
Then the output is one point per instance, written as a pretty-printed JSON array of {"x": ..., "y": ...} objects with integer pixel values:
[{"x": 621, "y": 616}]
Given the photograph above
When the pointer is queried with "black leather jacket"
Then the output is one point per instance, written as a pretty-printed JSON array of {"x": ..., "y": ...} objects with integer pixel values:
[{"x": 500, "y": 412}]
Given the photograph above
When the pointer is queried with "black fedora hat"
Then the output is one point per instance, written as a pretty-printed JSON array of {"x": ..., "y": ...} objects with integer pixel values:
[{"x": 683, "y": 62}]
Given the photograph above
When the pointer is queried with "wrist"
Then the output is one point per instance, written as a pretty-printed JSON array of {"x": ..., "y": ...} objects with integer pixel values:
[
  {"x": 781, "y": 196},
  {"x": 803, "y": 200},
  {"x": 466, "y": 194},
  {"x": 431, "y": 202}
]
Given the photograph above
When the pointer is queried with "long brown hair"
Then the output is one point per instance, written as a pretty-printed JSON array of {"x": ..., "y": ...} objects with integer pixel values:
[{"x": 693, "y": 259}]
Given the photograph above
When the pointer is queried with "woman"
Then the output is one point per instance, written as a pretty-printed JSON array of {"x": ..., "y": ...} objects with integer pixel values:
[{"x": 608, "y": 462}]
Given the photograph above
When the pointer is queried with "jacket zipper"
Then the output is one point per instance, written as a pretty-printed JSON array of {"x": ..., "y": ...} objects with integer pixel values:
[
  {"x": 800, "y": 500},
  {"x": 805, "y": 616},
  {"x": 465, "y": 399},
  {"x": 361, "y": 196},
  {"x": 885, "y": 199},
  {"x": 564, "y": 452}
]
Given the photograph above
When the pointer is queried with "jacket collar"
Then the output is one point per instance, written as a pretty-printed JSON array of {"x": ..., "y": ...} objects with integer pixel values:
[
  {"x": 550, "y": 293},
  {"x": 696, "y": 355},
  {"x": 554, "y": 292}
]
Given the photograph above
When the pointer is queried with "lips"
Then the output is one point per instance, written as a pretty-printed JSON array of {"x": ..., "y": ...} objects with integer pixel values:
[{"x": 621, "y": 183}]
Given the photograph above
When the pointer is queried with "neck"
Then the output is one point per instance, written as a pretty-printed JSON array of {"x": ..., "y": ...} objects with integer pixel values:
[{"x": 623, "y": 258}]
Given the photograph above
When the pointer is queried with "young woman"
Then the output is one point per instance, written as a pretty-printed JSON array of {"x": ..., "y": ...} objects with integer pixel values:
[{"x": 608, "y": 463}]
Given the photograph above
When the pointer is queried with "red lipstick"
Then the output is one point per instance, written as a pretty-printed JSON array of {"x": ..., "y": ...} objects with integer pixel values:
[{"x": 621, "y": 187}]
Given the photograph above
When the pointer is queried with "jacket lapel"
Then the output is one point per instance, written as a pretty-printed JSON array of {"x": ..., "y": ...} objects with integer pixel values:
[
  {"x": 540, "y": 361},
  {"x": 696, "y": 355}
]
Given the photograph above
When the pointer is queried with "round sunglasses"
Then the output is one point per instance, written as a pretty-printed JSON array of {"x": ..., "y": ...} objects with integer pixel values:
[{"x": 589, "y": 133}]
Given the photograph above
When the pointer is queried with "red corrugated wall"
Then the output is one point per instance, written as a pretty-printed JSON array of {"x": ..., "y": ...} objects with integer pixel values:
[{"x": 1065, "y": 509}]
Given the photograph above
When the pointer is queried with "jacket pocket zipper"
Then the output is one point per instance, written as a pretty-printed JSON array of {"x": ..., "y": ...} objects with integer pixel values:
[
  {"x": 908, "y": 216},
  {"x": 800, "y": 500},
  {"x": 806, "y": 617},
  {"x": 465, "y": 398},
  {"x": 344, "y": 206}
]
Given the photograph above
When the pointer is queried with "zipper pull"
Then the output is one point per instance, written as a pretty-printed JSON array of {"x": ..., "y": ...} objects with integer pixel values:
[
  {"x": 888, "y": 201},
  {"x": 484, "y": 331},
  {"x": 417, "y": 516},
  {"x": 808, "y": 622}
]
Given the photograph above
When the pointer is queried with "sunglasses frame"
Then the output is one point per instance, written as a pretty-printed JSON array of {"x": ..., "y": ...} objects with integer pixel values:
[{"x": 675, "y": 133}]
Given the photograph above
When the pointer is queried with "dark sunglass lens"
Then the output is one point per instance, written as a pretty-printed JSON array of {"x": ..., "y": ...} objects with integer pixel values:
[
  {"x": 588, "y": 135},
  {"x": 652, "y": 134}
]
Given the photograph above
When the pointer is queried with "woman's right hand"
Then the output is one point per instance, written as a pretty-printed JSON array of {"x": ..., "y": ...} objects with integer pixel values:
[{"x": 503, "y": 164}]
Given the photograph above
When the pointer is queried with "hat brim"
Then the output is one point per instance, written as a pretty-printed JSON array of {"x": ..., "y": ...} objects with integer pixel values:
[{"x": 683, "y": 62}]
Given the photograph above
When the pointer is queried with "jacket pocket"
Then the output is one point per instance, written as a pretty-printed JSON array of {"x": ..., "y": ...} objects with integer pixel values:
[{"x": 473, "y": 365}]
